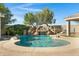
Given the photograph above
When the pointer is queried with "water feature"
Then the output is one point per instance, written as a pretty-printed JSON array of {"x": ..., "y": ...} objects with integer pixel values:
[{"x": 41, "y": 39}]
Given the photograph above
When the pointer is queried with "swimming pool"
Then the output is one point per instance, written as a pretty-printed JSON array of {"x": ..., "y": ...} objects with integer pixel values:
[{"x": 40, "y": 41}]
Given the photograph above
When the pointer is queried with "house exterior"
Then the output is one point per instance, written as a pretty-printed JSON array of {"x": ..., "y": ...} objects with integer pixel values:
[
  {"x": 1, "y": 16},
  {"x": 74, "y": 29},
  {"x": 56, "y": 28},
  {"x": 74, "y": 17}
]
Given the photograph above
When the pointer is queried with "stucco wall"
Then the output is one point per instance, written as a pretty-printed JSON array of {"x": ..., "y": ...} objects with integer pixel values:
[{"x": 74, "y": 28}]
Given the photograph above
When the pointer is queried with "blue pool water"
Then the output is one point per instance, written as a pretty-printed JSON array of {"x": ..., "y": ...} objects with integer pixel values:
[{"x": 40, "y": 41}]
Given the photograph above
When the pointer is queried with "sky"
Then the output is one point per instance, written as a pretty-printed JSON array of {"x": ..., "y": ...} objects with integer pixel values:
[{"x": 61, "y": 10}]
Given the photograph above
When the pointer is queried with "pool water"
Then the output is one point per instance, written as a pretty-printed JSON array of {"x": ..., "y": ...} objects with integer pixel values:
[{"x": 40, "y": 41}]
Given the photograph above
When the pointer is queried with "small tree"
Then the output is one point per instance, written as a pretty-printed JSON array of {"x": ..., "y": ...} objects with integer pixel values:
[
  {"x": 45, "y": 16},
  {"x": 28, "y": 18},
  {"x": 8, "y": 15}
]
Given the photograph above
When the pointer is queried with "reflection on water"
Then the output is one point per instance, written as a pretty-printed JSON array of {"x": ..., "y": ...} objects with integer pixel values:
[{"x": 40, "y": 41}]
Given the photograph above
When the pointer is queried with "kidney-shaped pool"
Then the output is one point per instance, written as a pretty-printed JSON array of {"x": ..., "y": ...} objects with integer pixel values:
[{"x": 40, "y": 41}]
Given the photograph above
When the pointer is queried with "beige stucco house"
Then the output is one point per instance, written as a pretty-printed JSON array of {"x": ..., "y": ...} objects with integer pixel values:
[
  {"x": 1, "y": 30},
  {"x": 74, "y": 17}
]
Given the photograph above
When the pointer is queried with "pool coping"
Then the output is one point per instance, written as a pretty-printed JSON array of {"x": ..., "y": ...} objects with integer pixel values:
[{"x": 36, "y": 50}]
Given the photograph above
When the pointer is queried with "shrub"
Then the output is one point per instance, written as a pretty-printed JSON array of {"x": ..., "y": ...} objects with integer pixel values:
[{"x": 16, "y": 29}]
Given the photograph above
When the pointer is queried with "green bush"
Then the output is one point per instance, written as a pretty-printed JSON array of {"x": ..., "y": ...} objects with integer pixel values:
[{"x": 16, "y": 29}]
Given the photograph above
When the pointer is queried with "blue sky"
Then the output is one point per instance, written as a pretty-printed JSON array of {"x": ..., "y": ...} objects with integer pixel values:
[{"x": 61, "y": 10}]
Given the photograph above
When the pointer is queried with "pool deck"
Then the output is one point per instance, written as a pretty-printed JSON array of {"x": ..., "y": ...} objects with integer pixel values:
[{"x": 8, "y": 48}]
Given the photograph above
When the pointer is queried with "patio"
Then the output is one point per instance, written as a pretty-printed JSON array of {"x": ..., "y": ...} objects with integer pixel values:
[{"x": 9, "y": 48}]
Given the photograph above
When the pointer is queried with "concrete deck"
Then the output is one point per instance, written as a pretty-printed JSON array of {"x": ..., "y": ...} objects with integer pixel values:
[{"x": 8, "y": 48}]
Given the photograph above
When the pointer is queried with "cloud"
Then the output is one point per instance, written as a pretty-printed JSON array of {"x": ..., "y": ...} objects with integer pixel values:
[
  {"x": 22, "y": 5},
  {"x": 26, "y": 7},
  {"x": 30, "y": 9}
]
